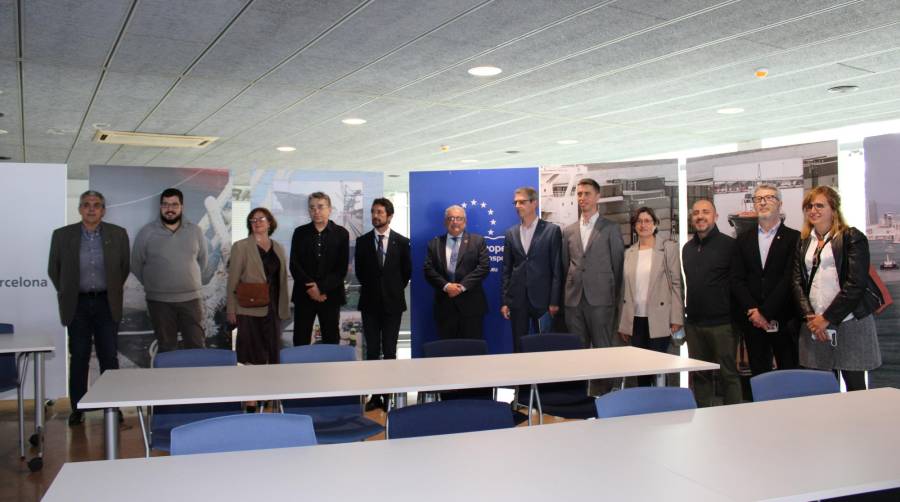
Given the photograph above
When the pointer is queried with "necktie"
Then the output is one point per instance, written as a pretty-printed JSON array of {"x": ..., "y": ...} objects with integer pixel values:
[
  {"x": 380, "y": 251},
  {"x": 454, "y": 255}
]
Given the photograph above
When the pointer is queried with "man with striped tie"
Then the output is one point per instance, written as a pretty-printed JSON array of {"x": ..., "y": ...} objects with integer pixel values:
[
  {"x": 383, "y": 267},
  {"x": 456, "y": 263}
]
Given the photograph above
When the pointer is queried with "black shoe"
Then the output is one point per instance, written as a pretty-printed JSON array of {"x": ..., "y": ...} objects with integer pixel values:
[
  {"x": 76, "y": 418},
  {"x": 374, "y": 403}
]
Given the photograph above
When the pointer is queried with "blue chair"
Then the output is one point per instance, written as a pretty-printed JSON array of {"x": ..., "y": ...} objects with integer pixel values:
[
  {"x": 457, "y": 347},
  {"x": 565, "y": 399},
  {"x": 783, "y": 384},
  {"x": 255, "y": 431},
  {"x": 166, "y": 418},
  {"x": 640, "y": 400},
  {"x": 448, "y": 417},
  {"x": 336, "y": 419},
  {"x": 12, "y": 376}
]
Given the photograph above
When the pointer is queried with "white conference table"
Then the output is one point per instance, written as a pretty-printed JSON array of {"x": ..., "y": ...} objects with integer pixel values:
[
  {"x": 794, "y": 449},
  {"x": 167, "y": 386},
  {"x": 37, "y": 346}
]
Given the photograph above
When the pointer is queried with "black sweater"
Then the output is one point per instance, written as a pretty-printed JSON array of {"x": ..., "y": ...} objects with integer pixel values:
[{"x": 709, "y": 270}]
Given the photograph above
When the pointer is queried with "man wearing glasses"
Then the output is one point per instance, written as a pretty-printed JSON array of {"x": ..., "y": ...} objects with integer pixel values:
[
  {"x": 762, "y": 285},
  {"x": 532, "y": 269},
  {"x": 320, "y": 255},
  {"x": 168, "y": 258},
  {"x": 456, "y": 263},
  {"x": 88, "y": 267}
]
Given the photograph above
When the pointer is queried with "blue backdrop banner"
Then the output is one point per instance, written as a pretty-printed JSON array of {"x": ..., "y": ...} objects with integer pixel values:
[{"x": 487, "y": 196}]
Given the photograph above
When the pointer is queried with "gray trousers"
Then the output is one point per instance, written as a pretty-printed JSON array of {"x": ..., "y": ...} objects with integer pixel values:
[
  {"x": 596, "y": 327},
  {"x": 714, "y": 344},
  {"x": 170, "y": 318}
]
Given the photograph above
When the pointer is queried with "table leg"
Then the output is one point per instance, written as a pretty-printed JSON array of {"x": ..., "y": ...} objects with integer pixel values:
[
  {"x": 111, "y": 433},
  {"x": 37, "y": 463},
  {"x": 400, "y": 400},
  {"x": 20, "y": 397}
]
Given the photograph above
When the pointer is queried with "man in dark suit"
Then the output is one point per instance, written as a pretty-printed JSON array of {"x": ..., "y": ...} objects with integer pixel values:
[
  {"x": 762, "y": 285},
  {"x": 88, "y": 265},
  {"x": 320, "y": 256},
  {"x": 532, "y": 269},
  {"x": 383, "y": 267},
  {"x": 455, "y": 265}
]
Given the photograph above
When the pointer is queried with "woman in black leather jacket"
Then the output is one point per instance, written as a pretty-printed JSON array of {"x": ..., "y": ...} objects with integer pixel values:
[{"x": 831, "y": 270}]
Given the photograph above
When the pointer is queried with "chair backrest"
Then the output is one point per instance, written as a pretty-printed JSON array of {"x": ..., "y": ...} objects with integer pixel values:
[
  {"x": 193, "y": 358},
  {"x": 318, "y": 353},
  {"x": 550, "y": 341},
  {"x": 326, "y": 407},
  {"x": 640, "y": 400},
  {"x": 9, "y": 374},
  {"x": 254, "y": 431},
  {"x": 449, "y": 417},
  {"x": 783, "y": 384},
  {"x": 455, "y": 347}
]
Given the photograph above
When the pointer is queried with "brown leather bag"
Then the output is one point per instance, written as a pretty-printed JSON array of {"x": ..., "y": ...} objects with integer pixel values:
[{"x": 251, "y": 294}]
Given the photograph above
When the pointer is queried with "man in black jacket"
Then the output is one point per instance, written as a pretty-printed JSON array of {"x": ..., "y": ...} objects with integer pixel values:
[
  {"x": 456, "y": 263},
  {"x": 762, "y": 285},
  {"x": 320, "y": 255},
  {"x": 383, "y": 268},
  {"x": 708, "y": 261}
]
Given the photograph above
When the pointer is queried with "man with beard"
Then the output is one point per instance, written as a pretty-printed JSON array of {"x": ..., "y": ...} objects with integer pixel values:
[
  {"x": 383, "y": 267},
  {"x": 762, "y": 287},
  {"x": 709, "y": 269},
  {"x": 168, "y": 258},
  {"x": 532, "y": 269},
  {"x": 320, "y": 256}
]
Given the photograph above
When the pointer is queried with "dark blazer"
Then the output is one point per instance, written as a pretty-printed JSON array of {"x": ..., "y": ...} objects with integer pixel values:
[
  {"x": 330, "y": 273},
  {"x": 381, "y": 288},
  {"x": 472, "y": 267},
  {"x": 64, "y": 267},
  {"x": 766, "y": 288},
  {"x": 534, "y": 280},
  {"x": 851, "y": 258}
]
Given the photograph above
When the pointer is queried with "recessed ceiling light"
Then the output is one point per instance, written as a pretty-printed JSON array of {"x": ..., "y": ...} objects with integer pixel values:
[
  {"x": 469, "y": 161},
  {"x": 101, "y": 125},
  {"x": 567, "y": 142},
  {"x": 485, "y": 71},
  {"x": 285, "y": 149},
  {"x": 393, "y": 175},
  {"x": 3, "y": 131},
  {"x": 730, "y": 110},
  {"x": 513, "y": 151},
  {"x": 761, "y": 73},
  {"x": 843, "y": 89},
  {"x": 354, "y": 121}
]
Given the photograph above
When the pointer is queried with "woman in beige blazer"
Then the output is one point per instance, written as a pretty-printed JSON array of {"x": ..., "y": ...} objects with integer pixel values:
[
  {"x": 651, "y": 290},
  {"x": 258, "y": 259}
]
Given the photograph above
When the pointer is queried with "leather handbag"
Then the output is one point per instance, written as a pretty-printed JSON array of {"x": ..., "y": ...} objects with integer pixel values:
[{"x": 252, "y": 294}]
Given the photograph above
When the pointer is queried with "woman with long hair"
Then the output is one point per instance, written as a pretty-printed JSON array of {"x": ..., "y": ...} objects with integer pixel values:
[{"x": 831, "y": 271}]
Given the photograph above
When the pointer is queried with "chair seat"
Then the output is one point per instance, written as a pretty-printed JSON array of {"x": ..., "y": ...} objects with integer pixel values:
[{"x": 346, "y": 429}]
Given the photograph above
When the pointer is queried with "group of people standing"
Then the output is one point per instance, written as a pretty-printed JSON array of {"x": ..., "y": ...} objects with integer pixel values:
[{"x": 796, "y": 296}]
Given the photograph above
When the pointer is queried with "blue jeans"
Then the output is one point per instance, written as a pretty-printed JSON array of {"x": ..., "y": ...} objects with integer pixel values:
[{"x": 93, "y": 325}]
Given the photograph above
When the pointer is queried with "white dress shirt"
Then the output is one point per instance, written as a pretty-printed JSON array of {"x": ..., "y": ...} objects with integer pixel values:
[
  {"x": 825, "y": 285},
  {"x": 586, "y": 229},
  {"x": 765, "y": 242},
  {"x": 526, "y": 234},
  {"x": 384, "y": 243}
]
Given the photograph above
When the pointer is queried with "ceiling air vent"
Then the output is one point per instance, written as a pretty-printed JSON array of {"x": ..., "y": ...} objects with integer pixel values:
[{"x": 152, "y": 140}]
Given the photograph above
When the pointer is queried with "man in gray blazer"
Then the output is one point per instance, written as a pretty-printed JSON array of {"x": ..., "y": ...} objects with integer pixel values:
[
  {"x": 532, "y": 269},
  {"x": 88, "y": 267},
  {"x": 592, "y": 254}
]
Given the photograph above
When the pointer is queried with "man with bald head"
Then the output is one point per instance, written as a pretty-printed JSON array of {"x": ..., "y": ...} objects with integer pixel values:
[
  {"x": 456, "y": 263},
  {"x": 709, "y": 269}
]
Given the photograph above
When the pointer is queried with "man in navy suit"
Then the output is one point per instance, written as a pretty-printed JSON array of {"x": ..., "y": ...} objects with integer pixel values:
[
  {"x": 456, "y": 263},
  {"x": 383, "y": 267},
  {"x": 762, "y": 285},
  {"x": 532, "y": 269}
]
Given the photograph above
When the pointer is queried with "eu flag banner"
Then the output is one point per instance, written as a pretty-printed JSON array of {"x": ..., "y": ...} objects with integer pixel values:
[{"x": 487, "y": 198}]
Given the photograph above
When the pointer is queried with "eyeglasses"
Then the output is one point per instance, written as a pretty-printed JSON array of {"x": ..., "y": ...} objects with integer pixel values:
[
  {"x": 259, "y": 219},
  {"x": 170, "y": 205},
  {"x": 456, "y": 218},
  {"x": 767, "y": 198},
  {"x": 520, "y": 202},
  {"x": 816, "y": 205}
]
